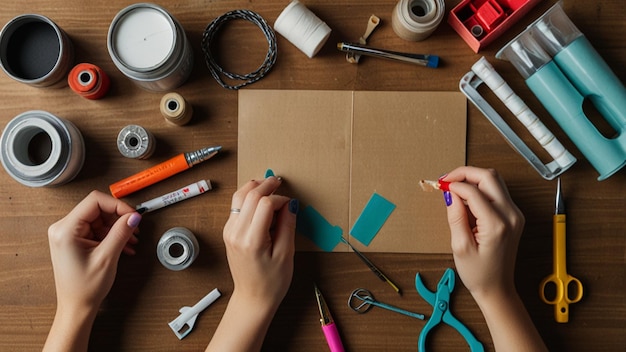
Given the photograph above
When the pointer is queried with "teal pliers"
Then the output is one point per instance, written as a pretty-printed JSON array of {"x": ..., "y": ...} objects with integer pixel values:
[{"x": 440, "y": 301}]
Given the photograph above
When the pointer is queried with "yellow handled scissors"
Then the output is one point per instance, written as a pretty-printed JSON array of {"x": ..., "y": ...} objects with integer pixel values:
[{"x": 567, "y": 289}]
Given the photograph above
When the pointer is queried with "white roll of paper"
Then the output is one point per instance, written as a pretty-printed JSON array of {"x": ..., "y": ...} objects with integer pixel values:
[{"x": 302, "y": 28}]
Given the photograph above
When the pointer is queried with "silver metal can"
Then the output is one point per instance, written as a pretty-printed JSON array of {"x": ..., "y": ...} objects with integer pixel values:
[
  {"x": 40, "y": 149},
  {"x": 35, "y": 51},
  {"x": 150, "y": 47}
]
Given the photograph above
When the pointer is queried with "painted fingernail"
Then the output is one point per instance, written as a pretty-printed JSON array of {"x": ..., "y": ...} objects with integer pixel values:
[
  {"x": 293, "y": 206},
  {"x": 447, "y": 197},
  {"x": 269, "y": 173},
  {"x": 134, "y": 220}
]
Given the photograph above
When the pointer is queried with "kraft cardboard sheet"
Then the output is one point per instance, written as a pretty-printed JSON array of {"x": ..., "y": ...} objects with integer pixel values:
[{"x": 336, "y": 149}]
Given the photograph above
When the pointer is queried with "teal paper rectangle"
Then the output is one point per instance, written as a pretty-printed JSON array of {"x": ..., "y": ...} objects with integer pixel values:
[
  {"x": 315, "y": 227},
  {"x": 372, "y": 218}
]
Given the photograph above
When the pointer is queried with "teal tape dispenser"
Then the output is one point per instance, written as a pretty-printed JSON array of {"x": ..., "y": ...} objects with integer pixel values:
[{"x": 562, "y": 69}]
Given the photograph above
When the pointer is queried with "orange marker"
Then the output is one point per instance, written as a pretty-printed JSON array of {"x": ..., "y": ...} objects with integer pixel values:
[
  {"x": 161, "y": 171},
  {"x": 88, "y": 81}
]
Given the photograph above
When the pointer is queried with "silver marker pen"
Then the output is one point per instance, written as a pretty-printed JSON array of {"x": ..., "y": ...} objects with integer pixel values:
[
  {"x": 431, "y": 61},
  {"x": 187, "y": 192}
]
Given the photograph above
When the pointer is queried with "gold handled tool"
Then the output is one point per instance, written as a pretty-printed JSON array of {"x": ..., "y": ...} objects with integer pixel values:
[
  {"x": 372, "y": 267},
  {"x": 567, "y": 289}
]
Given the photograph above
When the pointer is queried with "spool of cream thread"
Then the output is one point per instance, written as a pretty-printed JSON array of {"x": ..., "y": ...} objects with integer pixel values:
[
  {"x": 416, "y": 20},
  {"x": 136, "y": 142},
  {"x": 175, "y": 109},
  {"x": 302, "y": 28},
  {"x": 177, "y": 248}
]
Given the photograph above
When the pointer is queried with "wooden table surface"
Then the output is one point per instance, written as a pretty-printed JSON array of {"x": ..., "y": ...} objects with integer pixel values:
[{"x": 146, "y": 296}]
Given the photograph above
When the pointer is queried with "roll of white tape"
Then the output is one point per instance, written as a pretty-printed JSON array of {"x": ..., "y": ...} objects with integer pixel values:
[
  {"x": 302, "y": 28},
  {"x": 40, "y": 149},
  {"x": 416, "y": 20}
]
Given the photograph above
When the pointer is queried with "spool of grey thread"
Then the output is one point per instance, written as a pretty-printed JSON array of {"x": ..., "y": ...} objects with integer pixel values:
[
  {"x": 177, "y": 248},
  {"x": 136, "y": 142}
]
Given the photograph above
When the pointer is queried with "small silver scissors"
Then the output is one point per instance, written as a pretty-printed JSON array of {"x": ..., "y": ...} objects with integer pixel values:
[{"x": 361, "y": 300}]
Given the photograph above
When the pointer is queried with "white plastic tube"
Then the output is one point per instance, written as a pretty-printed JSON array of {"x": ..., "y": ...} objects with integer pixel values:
[{"x": 483, "y": 69}]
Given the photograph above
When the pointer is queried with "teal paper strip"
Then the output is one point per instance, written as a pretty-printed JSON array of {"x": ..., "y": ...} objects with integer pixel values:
[
  {"x": 315, "y": 227},
  {"x": 269, "y": 173},
  {"x": 373, "y": 217}
]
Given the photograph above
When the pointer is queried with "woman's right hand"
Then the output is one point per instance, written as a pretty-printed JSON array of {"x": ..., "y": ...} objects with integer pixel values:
[{"x": 485, "y": 227}]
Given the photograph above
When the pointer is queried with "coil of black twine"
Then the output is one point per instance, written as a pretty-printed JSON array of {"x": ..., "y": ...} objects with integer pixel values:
[{"x": 216, "y": 70}]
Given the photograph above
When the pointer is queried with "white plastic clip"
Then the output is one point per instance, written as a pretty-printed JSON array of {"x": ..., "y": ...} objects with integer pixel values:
[
  {"x": 481, "y": 72},
  {"x": 184, "y": 323}
]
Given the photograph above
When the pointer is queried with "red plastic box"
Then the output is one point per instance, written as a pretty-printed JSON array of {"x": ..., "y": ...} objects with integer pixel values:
[{"x": 479, "y": 22}]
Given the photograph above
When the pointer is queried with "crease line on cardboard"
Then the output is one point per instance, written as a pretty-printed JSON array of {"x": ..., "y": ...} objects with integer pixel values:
[{"x": 353, "y": 93}]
